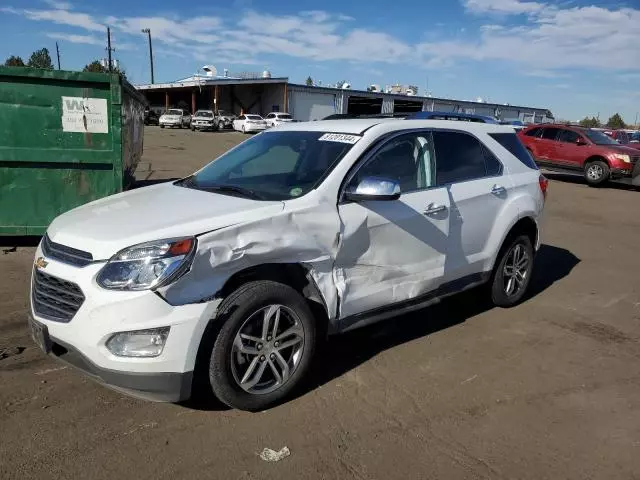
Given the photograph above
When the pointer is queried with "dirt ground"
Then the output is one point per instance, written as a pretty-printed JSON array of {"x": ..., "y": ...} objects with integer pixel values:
[{"x": 548, "y": 390}]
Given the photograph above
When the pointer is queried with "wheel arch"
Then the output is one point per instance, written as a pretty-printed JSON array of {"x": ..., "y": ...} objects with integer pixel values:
[
  {"x": 526, "y": 225},
  {"x": 596, "y": 158},
  {"x": 296, "y": 275}
]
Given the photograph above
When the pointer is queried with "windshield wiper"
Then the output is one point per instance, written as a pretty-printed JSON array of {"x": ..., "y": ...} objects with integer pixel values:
[{"x": 245, "y": 192}]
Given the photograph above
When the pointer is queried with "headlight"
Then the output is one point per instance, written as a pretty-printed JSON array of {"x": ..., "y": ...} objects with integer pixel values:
[
  {"x": 623, "y": 157},
  {"x": 139, "y": 343},
  {"x": 148, "y": 265}
]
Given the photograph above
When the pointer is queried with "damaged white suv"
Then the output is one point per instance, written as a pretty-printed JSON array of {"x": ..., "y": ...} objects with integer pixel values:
[{"x": 233, "y": 274}]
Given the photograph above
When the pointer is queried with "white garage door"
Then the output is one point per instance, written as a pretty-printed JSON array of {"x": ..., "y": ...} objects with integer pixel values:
[{"x": 307, "y": 106}]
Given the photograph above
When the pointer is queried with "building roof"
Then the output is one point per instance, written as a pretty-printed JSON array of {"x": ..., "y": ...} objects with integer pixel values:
[{"x": 204, "y": 81}]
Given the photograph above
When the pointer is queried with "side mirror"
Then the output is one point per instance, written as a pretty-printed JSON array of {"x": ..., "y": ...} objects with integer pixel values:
[
  {"x": 374, "y": 188},
  {"x": 580, "y": 141}
]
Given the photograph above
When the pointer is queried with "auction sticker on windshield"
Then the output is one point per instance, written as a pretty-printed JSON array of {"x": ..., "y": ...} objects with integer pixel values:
[{"x": 339, "y": 137}]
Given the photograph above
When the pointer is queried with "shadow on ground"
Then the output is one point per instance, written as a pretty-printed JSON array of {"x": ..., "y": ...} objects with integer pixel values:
[
  {"x": 577, "y": 179},
  {"x": 343, "y": 353}
]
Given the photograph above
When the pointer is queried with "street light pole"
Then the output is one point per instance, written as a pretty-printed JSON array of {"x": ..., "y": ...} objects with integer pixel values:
[{"x": 148, "y": 32}]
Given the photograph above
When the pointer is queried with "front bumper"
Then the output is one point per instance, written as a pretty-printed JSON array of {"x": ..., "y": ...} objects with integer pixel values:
[
  {"x": 81, "y": 341},
  {"x": 630, "y": 177},
  {"x": 202, "y": 126},
  {"x": 153, "y": 386},
  {"x": 170, "y": 123}
]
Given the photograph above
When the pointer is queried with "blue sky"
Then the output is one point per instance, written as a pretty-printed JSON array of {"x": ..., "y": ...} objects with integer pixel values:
[{"x": 576, "y": 57}]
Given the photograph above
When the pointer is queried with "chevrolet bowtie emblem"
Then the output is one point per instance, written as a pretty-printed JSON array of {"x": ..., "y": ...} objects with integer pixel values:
[{"x": 41, "y": 262}]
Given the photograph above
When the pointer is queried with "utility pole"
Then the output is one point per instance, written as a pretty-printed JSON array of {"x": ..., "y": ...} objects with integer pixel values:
[
  {"x": 148, "y": 32},
  {"x": 58, "y": 53},
  {"x": 109, "y": 49}
]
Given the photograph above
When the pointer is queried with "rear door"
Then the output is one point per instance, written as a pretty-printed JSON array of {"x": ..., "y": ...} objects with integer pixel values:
[
  {"x": 478, "y": 188},
  {"x": 547, "y": 145}
]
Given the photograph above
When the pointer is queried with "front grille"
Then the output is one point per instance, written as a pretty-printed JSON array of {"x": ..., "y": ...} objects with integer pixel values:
[
  {"x": 53, "y": 298},
  {"x": 65, "y": 254},
  {"x": 634, "y": 160}
]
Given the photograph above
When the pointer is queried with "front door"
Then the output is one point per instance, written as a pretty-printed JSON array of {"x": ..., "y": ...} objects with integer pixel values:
[
  {"x": 392, "y": 251},
  {"x": 547, "y": 145},
  {"x": 569, "y": 151}
]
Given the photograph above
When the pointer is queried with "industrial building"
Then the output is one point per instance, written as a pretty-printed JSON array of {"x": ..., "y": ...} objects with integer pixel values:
[{"x": 261, "y": 94}]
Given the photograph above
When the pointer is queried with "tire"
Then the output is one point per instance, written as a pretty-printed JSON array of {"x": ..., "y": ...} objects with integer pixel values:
[
  {"x": 244, "y": 309},
  {"x": 161, "y": 126},
  {"x": 596, "y": 173},
  {"x": 499, "y": 286}
]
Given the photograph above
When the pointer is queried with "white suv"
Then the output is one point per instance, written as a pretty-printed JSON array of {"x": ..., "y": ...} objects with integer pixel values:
[
  {"x": 277, "y": 118},
  {"x": 233, "y": 274}
]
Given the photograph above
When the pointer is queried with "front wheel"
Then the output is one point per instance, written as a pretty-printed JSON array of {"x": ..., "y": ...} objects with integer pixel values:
[
  {"x": 161, "y": 126},
  {"x": 512, "y": 274},
  {"x": 264, "y": 347},
  {"x": 596, "y": 172}
]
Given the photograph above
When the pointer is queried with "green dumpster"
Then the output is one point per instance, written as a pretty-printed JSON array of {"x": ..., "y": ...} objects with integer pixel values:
[{"x": 66, "y": 138}]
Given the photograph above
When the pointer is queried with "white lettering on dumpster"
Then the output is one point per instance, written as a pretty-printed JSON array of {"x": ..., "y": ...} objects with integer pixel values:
[{"x": 84, "y": 115}]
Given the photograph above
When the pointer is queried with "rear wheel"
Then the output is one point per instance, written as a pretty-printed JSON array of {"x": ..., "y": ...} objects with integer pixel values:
[
  {"x": 596, "y": 172},
  {"x": 264, "y": 347},
  {"x": 161, "y": 126},
  {"x": 512, "y": 273}
]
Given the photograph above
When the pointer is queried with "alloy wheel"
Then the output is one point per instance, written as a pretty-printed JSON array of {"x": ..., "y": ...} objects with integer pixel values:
[
  {"x": 595, "y": 172},
  {"x": 267, "y": 349},
  {"x": 515, "y": 270}
]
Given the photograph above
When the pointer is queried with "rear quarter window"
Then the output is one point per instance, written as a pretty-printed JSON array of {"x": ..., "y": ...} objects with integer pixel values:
[{"x": 512, "y": 143}]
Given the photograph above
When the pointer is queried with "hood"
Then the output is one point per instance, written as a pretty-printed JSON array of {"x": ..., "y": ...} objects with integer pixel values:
[
  {"x": 108, "y": 225},
  {"x": 634, "y": 146},
  {"x": 625, "y": 149}
]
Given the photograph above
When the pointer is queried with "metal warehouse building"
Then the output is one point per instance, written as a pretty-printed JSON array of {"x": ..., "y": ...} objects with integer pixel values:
[{"x": 263, "y": 94}]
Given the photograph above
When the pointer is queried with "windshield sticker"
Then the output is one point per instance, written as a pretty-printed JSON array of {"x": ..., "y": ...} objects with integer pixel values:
[
  {"x": 339, "y": 137},
  {"x": 295, "y": 192}
]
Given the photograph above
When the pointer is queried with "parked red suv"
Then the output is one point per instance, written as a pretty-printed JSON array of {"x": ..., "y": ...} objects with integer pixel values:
[{"x": 568, "y": 148}]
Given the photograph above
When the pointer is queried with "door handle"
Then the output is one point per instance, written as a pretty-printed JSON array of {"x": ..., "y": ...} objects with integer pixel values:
[
  {"x": 434, "y": 208},
  {"x": 498, "y": 190}
]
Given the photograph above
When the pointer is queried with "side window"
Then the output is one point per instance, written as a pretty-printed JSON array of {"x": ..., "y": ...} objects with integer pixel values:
[
  {"x": 492, "y": 164},
  {"x": 534, "y": 132},
  {"x": 459, "y": 157},
  {"x": 550, "y": 133},
  {"x": 270, "y": 116},
  {"x": 511, "y": 142},
  {"x": 407, "y": 159},
  {"x": 568, "y": 136}
]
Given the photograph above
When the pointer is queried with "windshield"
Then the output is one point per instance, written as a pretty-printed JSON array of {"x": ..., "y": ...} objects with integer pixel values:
[
  {"x": 284, "y": 115},
  {"x": 599, "y": 138},
  {"x": 254, "y": 117},
  {"x": 204, "y": 113},
  {"x": 273, "y": 165},
  {"x": 174, "y": 112}
]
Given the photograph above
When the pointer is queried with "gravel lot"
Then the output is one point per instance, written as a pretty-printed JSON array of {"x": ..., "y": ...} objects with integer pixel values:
[{"x": 549, "y": 389}]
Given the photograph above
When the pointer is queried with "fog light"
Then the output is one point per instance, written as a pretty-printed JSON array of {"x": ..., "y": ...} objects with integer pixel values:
[{"x": 139, "y": 343}]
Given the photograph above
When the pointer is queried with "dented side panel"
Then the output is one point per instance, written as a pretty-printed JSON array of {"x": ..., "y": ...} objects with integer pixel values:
[{"x": 307, "y": 234}]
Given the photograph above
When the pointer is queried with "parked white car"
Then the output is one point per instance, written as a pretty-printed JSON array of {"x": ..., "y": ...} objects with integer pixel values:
[
  {"x": 204, "y": 120},
  {"x": 175, "y": 117},
  {"x": 249, "y": 123},
  {"x": 231, "y": 276},
  {"x": 277, "y": 118}
]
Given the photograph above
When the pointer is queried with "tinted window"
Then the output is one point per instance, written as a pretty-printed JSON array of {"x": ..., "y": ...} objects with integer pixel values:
[
  {"x": 459, "y": 157},
  {"x": 568, "y": 136},
  {"x": 550, "y": 133},
  {"x": 407, "y": 159},
  {"x": 534, "y": 132},
  {"x": 284, "y": 115},
  {"x": 599, "y": 138},
  {"x": 492, "y": 164},
  {"x": 512, "y": 143}
]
